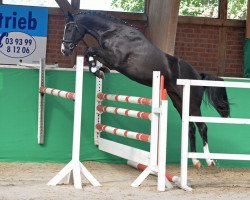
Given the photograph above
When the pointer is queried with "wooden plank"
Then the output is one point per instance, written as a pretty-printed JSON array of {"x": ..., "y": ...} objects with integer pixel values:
[
  {"x": 223, "y": 9},
  {"x": 124, "y": 151},
  {"x": 248, "y": 20},
  {"x": 65, "y": 5},
  {"x": 222, "y": 38},
  {"x": 129, "y": 16},
  {"x": 162, "y": 23},
  {"x": 211, "y": 21},
  {"x": 75, "y": 4}
]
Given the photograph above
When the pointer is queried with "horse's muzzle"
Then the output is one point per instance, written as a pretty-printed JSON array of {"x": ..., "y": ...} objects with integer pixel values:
[{"x": 66, "y": 51}]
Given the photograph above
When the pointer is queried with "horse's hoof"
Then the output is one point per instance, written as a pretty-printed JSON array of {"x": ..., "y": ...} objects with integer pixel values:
[
  {"x": 197, "y": 164},
  {"x": 100, "y": 74},
  {"x": 210, "y": 163}
]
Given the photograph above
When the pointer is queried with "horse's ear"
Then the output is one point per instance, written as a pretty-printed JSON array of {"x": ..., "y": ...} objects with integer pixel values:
[{"x": 69, "y": 16}]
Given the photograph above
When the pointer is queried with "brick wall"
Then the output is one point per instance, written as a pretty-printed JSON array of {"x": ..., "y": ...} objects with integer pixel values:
[
  {"x": 204, "y": 48},
  {"x": 200, "y": 45},
  {"x": 54, "y": 40},
  {"x": 234, "y": 55}
]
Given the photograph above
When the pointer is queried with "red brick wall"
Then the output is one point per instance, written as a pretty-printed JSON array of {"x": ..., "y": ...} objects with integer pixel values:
[
  {"x": 197, "y": 44},
  {"x": 234, "y": 52},
  {"x": 200, "y": 46},
  {"x": 54, "y": 40}
]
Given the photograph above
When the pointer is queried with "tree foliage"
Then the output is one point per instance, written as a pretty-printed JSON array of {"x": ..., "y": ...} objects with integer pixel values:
[
  {"x": 237, "y": 9},
  {"x": 129, "y": 5},
  {"x": 200, "y": 8}
]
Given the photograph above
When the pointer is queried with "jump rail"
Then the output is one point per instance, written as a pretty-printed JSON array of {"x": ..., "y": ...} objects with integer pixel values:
[
  {"x": 170, "y": 177},
  {"x": 122, "y": 98},
  {"x": 123, "y": 133},
  {"x": 186, "y": 118},
  {"x": 74, "y": 168},
  {"x": 56, "y": 92},
  {"x": 125, "y": 112},
  {"x": 155, "y": 160}
]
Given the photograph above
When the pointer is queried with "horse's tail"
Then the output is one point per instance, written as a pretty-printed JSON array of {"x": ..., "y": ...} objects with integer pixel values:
[{"x": 217, "y": 96}]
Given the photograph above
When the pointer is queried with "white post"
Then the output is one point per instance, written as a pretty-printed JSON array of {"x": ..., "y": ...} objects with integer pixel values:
[
  {"x": 155, "y": 118},
  {"x": 75, "y": 165},
  {"x": 162, "y": 149},
  {"x": 77, "y": 124},
  {"x": 77, "y": 110},
  {"x": 98, "y": 89},
  {"x": 152, "y": 166},
  {"x": 184, "y": 136},
  {"x": 40, "y": 135}
]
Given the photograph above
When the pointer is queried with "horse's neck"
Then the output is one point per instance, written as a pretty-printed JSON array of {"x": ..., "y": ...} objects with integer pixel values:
[{"x": 94, "y": 25}]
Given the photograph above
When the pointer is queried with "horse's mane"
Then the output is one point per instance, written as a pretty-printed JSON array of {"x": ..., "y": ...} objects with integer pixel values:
[{"x": 103, "y": 15}]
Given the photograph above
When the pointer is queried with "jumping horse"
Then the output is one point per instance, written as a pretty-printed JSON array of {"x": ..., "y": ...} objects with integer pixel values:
[{"x": 125, "y": 49}]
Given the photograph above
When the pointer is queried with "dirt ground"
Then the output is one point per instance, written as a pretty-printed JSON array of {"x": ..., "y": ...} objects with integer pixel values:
[{"x": 28, "y": 181}]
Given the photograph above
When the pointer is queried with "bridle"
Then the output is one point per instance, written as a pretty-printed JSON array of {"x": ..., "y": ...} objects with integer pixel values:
[{"x": 72, "y": 42}]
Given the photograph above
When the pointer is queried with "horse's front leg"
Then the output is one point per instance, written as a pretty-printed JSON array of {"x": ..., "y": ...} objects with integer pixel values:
[{"x": 93, "y": 54}]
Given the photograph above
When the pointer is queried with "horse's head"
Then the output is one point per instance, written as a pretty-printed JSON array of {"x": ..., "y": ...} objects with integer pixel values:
[{"x": 72, "y": 35}]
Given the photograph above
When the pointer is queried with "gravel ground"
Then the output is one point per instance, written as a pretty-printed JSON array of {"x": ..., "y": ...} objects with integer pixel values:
[{"x": 28, "y": 181}]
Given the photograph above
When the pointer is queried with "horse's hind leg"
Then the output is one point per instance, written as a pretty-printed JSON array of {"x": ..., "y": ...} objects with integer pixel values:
[
  {"x": 192, "y": 140},
  {"x": 177, "y": 102},
  {"x": 202, "y": 127}
]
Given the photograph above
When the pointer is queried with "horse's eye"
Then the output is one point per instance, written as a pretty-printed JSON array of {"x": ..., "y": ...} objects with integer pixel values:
[{"x": 71, "y": 46}]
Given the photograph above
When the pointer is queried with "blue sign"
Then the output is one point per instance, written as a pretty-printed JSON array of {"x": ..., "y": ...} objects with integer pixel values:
[{"x": 22, "y": 30}]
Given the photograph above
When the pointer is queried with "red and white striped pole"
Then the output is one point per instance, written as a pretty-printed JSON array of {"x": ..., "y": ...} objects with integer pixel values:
[
  {"x": 125, "y": 112},
  {"x": 170, "y": 177},
  {"x": 123, "y": 133},
  {"x": 56, "y": 92},
  {"x": 122, "y": 98}
]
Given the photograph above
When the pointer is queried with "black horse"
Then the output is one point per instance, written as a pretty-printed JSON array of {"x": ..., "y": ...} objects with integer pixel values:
[{"x": 125, "y": 49}]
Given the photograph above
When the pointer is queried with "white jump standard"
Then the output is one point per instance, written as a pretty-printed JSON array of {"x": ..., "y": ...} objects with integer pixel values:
[
  {"x": 155, "y": 160},
  {"x": 186, "y": 118},
  {"x": 74, "y": 168}
]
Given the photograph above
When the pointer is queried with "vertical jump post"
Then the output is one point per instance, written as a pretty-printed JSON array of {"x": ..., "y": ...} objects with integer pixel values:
[{"x": 74, "y": 168}]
